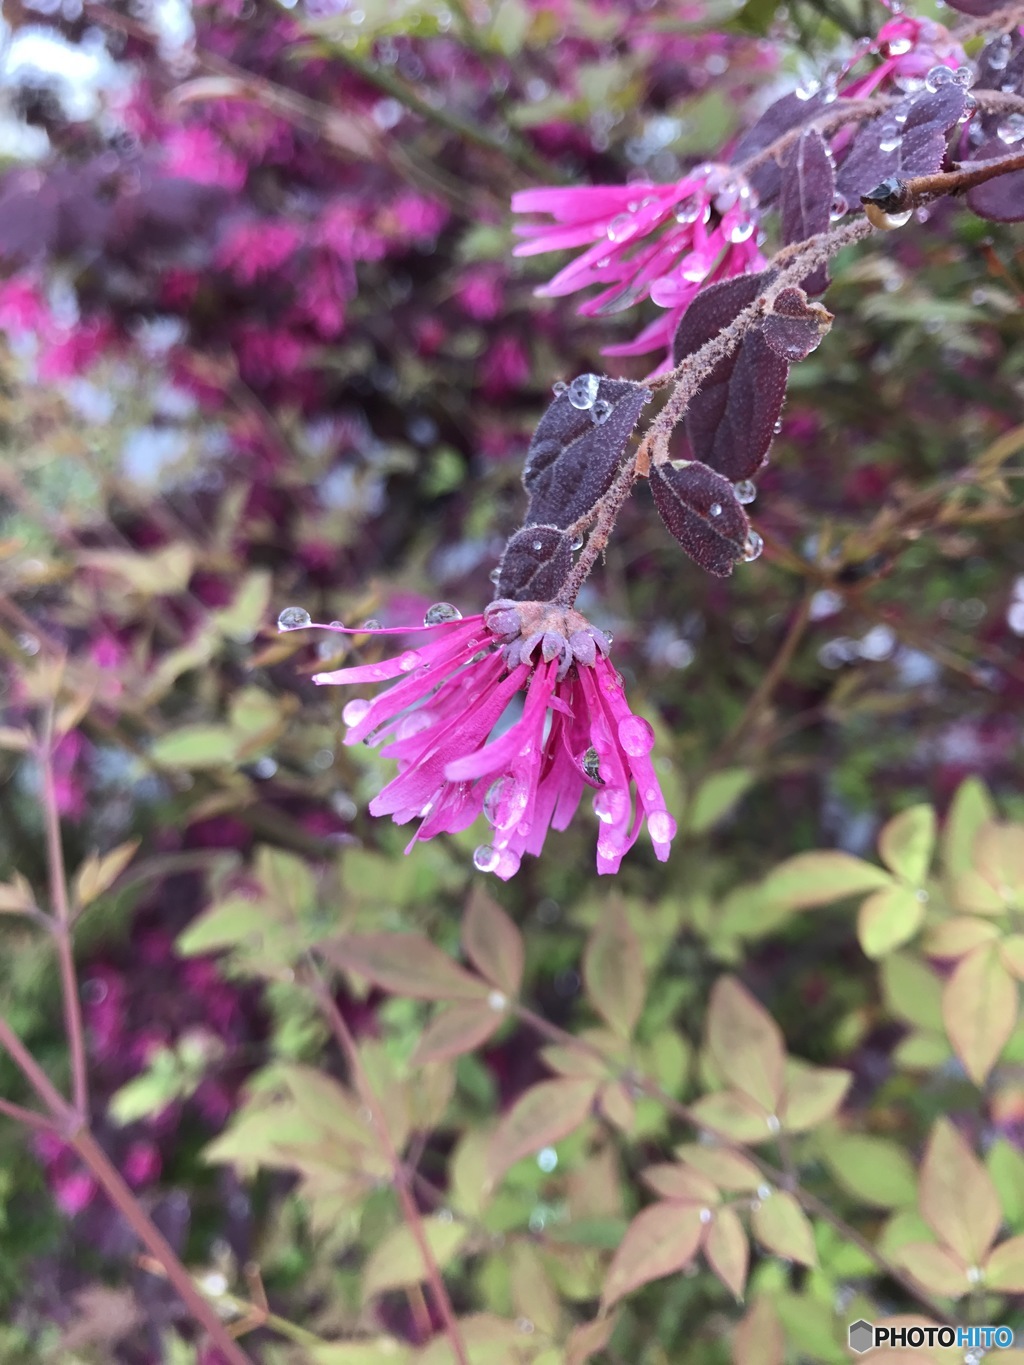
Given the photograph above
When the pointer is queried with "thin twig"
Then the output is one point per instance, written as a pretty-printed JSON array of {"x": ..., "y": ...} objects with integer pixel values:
[
  {"x": 60, "y": 924},
  {"x": 26, "y": 1116},
  {"x": 400, "y": 1177}
]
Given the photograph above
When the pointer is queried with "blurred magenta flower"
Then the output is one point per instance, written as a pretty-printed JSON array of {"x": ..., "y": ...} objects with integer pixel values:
[
  {"x": 644, "y": 240},
  {"x": 910, "y": 49},
  {"x": 446, "y": 722}
]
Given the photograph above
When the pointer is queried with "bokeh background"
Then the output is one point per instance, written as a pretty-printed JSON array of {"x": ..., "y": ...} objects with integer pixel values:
[{"x": 263, "y": 343}]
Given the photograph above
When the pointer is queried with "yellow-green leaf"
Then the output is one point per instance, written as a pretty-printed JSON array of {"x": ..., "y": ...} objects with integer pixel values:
[
  {"x": 677, "y": 1182},
  {"x": 957, "y": 1197},
  {"x": 745, "y": 1043},
  {"x": 812, "y": 879},
  {"x": 99, "y": 872},
  {"x": 457, "y": 1029},
  {"x": 734, "y": 1116},
  {"x": 937, "y": 1268},
  {"x": 876, "y": 1171},
  {"x": 957, "y": 936},
  {"x": 197, "y": 747},
  {"x": 971, "y": 808},
  {"x": 661, "y": 1240},
  {"x": 759, "y": 1338},
  {"x": 780, "y": 1224},
  {"x": 613, "y": 970},
  {"x": 728, "y": 1170},
  {"x": 1011, "y": 952},
  {"x": 906, "y": 843},
  {"x": 542, "y": 1116},
  {"x": 812, "y": 1095},
  {"x": 1004, "y": 1269},
  {"x": 979, "y": 1009},
  {"x": 727, "y": 1250},
  {"x": 405, "y": 964},
  {"x": 493, "y": 943},
  {"x": 888, "y": 919},
  {"x": 716, "y": 797},
  {"x": 397, "y": 1260}
]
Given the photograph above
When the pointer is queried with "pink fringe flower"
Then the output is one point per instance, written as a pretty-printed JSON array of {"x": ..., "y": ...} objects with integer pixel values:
[
  {"x": 663, "y": 242},
  {"x": 445, "y": 722},
  {"x": 910, "y": 49}
]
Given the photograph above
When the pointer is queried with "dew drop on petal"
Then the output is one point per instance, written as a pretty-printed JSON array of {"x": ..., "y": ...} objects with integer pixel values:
[
  {"x": 408, "y": 661},
  {"x": 607, "y": 848},
  {"x": 294, "y": 618},
  {"x": 441, "y": 612},
  {"x": 583, "y": 391},
  {"x": 486, "y": 858},
  {"x": 636, "y": 736},
  {"x": 371, "y": 623},
  {"x": 621, "y": 228},
  {"x": 611, "y": 805},
  {"x": 753, "y": 547},
  {"x": 355, "y": 710},
  {"x": 742, "y": 230},
  {"x": 413, "y": 724},
  {"x": 745, "y": 490},
  {"x": 688, "y": 211},
  {"x": 661, "y": 826},
  {"x": 507, "y": 864}
]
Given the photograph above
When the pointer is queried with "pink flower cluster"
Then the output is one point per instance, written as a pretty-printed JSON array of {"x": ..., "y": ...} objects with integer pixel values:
[
  {"x": 909, "y": 49},
  {"x": 643, "y": 240},
  {"x": 450, "y": 722}
]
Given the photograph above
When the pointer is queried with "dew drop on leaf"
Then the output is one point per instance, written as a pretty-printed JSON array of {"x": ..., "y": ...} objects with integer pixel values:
[
  {"x": 583, "y": 391},
  {"x": 752, "y": 549},
  {"x": 294, "y": 618},
  {"x": 745, "y": 490}
]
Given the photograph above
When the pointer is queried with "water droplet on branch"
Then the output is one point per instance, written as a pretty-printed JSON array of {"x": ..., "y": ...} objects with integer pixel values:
[
  {"x": 294, "y": 618},
  {"x": 441, "y": 612}
]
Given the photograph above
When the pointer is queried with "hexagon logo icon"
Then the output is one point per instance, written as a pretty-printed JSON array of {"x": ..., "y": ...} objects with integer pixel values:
[{"x": 861, "y": 1336}]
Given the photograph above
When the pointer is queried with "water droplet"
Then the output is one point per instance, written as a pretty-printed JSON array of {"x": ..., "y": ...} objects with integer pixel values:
[
  {"x": 508, "y": 864},
  {"x": 294, "y": 618},
  {"x": 413, "y": 723},
  {"x": 774, "y": 1126},
  {"x": 839, "y": 208},
  {"x": 538, "y": 546},
  {"x": 889, "y": 221},
  {"x": 621, "y": 228},
  {"x": 441, "y": 612},
  {"x": 355, "y": 710},
  {"x": 705, "y": 1215},
  {"x": 583, "y": 391},
  {"x": 486, "y": 858},
  {"x": 937, "y": 77},
  {"x": 494, "y": 575},
  {"x": 741, "y": 230},
  {"x": 745, "y": 490},
  {"x": 963, "y": 76},
  {"x": 999, "y": 52},
  {"x": 636, "y": 736},
  {"x": 890, "y": 139},
  {"x": 506, "y": 801},
  {"x": 715, "y": 510},
  {"x": 591, "y": 764},
  {"x": 611, "y": 805},
  {"x": 688, "y": 211},
  {"x": 408, "y": 661},
  {"x": 371, "y": 623},
  {"x": 497, "y": 1001},
  {"x": 752, "y": 549},
  {"x": 661, "y": 826},
  {"x": 600, "y": 412},
  {"x": 559, "y": 387},
  {"x": 898, "y": 47},
  {"x": 1011, "y": 129},
  {"x": 576, "y": 543},
  {"x": 777, "y": 427}
]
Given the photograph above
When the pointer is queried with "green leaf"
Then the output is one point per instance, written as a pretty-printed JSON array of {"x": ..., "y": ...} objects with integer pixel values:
[
  {"x": 888, "y": 919},
  {"x": 613, "y": 970},
  {"x": 729, "y": 1170},
  {"x": 957, "y": 1197},
  {"x": 661, "y": 1240},
  {"x": 542, "y": 1116},
  {"x": 746, "y": 1044},
  {"x": 457, "y": 1029},
  {"x": 1011, "y": 953},
  {"x": 727, "y": 1250},
  {"x": 733, "y": 1115},
  {"x": 906, "y": 843},
  {"x": 913, "y": 992},
  {"x": 716, "y": 797},
  {"x": 1004, "y": 1269},
  {"x": 812, "y": 1095},
  {"x": 957, "y": 936},
  {"x": 248, "y": 611},
  {"x": 226, "y": 924},
  {"x": 197, "y": 747},
  {"x": 404, "y": 964},
  {"x": 99, "y": 872},
  {"x": 1005, "y": 1165},
  {"x": 876, "y": 1171},
  {"x": 936, "y": 1268},
  {"x": 149, "y": 1093},
  {"x": 780, "y": 1224},
  {"x": 397, "y": 1261},
  {"x": 493, "y": 943},
  {"x": 812, "y": 879},
  {"x": 371, "y": 1351},
  {"x": 970, "y": 809},
  {"x": 979, "y": 1009}
]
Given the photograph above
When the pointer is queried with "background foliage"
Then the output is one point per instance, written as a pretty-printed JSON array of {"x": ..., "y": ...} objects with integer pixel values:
[{"x": 266, "y": 345}]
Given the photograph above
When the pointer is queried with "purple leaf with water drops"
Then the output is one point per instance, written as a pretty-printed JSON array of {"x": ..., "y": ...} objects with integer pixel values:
[
  {"x": 731, "y": 421},
  {"x": 779, "y": 118},
  {"x": 701, "y": 509},
  {"x": 1000, "y": 66},
  {"x": 806, "y": 197},
  {"x": 794, "y": 327},
  {"x": 578, "y": 447},
  {"x": 907, "y": 140},
  {"x": 1001, "y": 200},
  {"x": 536, "y": 563}
]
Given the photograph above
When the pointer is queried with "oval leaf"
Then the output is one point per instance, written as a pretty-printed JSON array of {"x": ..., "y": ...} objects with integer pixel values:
[
  {"x": 493, "y": 943},
  {"x": 812, "y": 879},
  {"x": 780, "y": 1224},
  {"x": 404, "y": 964},
  {"x": 979, "y": 1010},
  {"x": 659, "y": 1241},
  {"x": 397, "y": 1260},
  {"x": 542, "y": 1116},
  {"x": 727, "y": 1250},
  {"x": 613, "y": 971},
  {"x": 907, "y": 843},
  {"x": 746, "y": 1043},
  {"x": 888, "y": 919},
  {"x": 1004, "y": 1269},
  {"x": 459, "y": 1028},
  {"x": 957, "y": 1198}
]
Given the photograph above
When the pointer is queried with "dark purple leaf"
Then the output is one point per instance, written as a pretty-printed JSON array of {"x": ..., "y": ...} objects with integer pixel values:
[
  {"x": 808, "y": 190},
  {"x": 576, "y": 452},
  {"x": 731, "y": 421},
  {"x": 536, "y": 563},
  {"x": 1001, "y": 199},
  {"x": 1000, "y": 66},
  {"x": 781, "y": 117},
  {"x": 976, "y": 7},
  {"x": 916, "y": 145},
  {"x": 794, "y": 327},
  {"x": 701, "y": 510}
]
